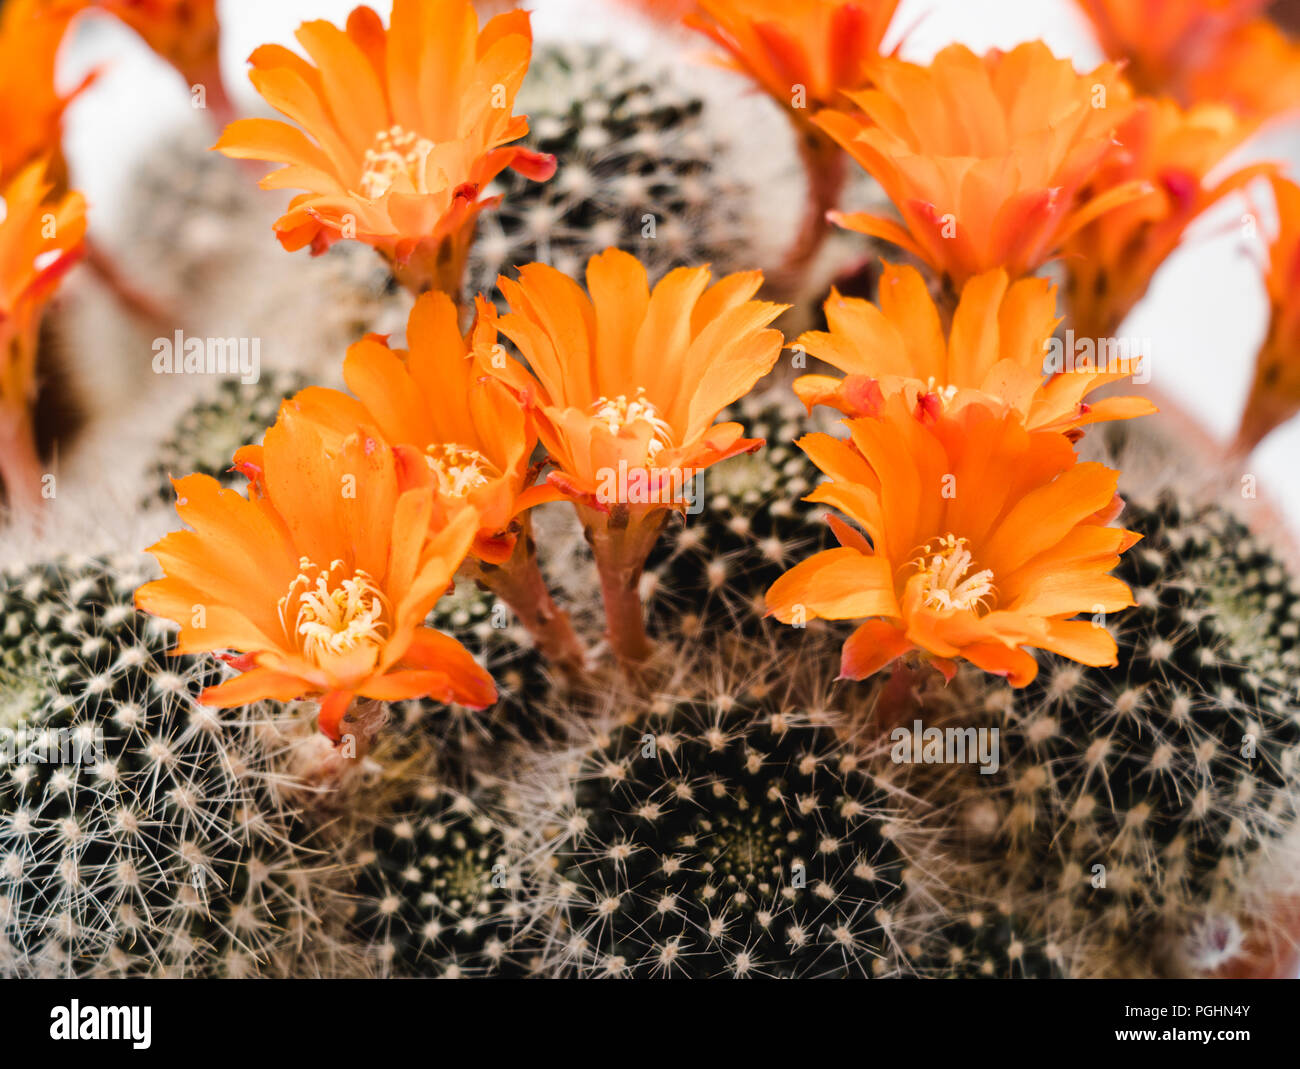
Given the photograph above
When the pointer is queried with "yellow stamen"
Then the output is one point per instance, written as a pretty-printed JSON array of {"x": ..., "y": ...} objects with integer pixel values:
[
  {"x": 944, "y": 393},
  {"x": 458, "y": 468},
  {"x": 944, "y": 583},
  {"x": 333, "y": 614},
  {"x": 396, "y": 153},
  {"x": 616, "y": 413}
]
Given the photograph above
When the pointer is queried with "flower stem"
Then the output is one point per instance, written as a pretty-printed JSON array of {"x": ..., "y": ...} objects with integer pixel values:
[
  {"x": 220, "y": 107},
  {"x": 520, "y": 584},
  {"x": 362, "y": 722},
  {"x": 1268, "y": 403},
  {"x": 897, "y": 698},
  {"x": 133, "y": 300},
  {"x": 620, "y": 541},
  {"x": 439, "y": 264},
  {"x": 946, "y": 298},
  {"x": 826, "y": 166},
  {"x": 20, "y": 464}
]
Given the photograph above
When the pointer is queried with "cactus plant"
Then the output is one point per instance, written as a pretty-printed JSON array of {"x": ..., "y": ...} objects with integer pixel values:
[
  {"x": 488, "y": 631},
  {"x": 688, "y": 788},
  {"x": 709, "y": 571},
  {"x": 636, "y": 170},
  {"x": 207, "y": 434},
  {"x": 1138, "y": 798},
  {"x": 192, "y": 213},
  {"x": 140, "y": 833},
  {"x": 742, "y": 842},
  {"x": 989, "y": 944},
  {"x": 195, "y": 221},
  {"x": 436, "y": 894}
]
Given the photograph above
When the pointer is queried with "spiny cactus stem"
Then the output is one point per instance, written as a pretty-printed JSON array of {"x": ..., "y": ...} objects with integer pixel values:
[
  {"x": 620, "y": 541},
  {"x": 520, "y": 584},
  {"x": 827, "y": 168},
  {"x": 133, "y": 300},
  {"x": 20, "y": 466}
]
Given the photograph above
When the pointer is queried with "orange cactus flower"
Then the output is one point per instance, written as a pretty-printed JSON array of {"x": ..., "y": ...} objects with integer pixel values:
[
  {"x": 626, "y": 383},
  {"x": 1275, "y": 392},
  {"x": 186, "y": 34},
  {"x": 442, "y": 410},
  {"x": 338, "y": 568},
  {"x": 31, "y": 109},
  {"x": 625, "y": 375},
  {"x": 1110, "y": 262},
  {"x": 996, "y": 183},
  {"x": 982, "y": 539},
  {"x": 996, "y": 353},
  {"x": 804, "y": 55},
  {"x": 1255, "y": 70},
  {"x": 41, "y": 237},
  {"x": 436, "y": 399},
  {"x": 631, "y": 378},
  {"x": 402, "y": 129},
  {"x": 1202, "y": 51},
  {"x": 31, "y": 117},
  {"x": 1160, "y": 40}
]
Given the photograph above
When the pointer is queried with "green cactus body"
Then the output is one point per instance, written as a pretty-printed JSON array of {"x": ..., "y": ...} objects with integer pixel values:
[
  {"x": 180, "y": 217},
  {"x": 744, "y": 844},
  {"x": 709, "y": 571},
  {"x": 636, "y": 171},
  {"x": 140, "y": 833},
  {"x": 436, "y": 894},
  {"x": 988, "y": 945},
  {"x": 521, "y": 713},
  {"x": 1145, "y": 793},
  {"x": 207, "y": 434}
]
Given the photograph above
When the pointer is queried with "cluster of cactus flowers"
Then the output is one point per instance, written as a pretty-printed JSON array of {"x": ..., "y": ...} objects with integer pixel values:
[{"x": 575, "y": 638}]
